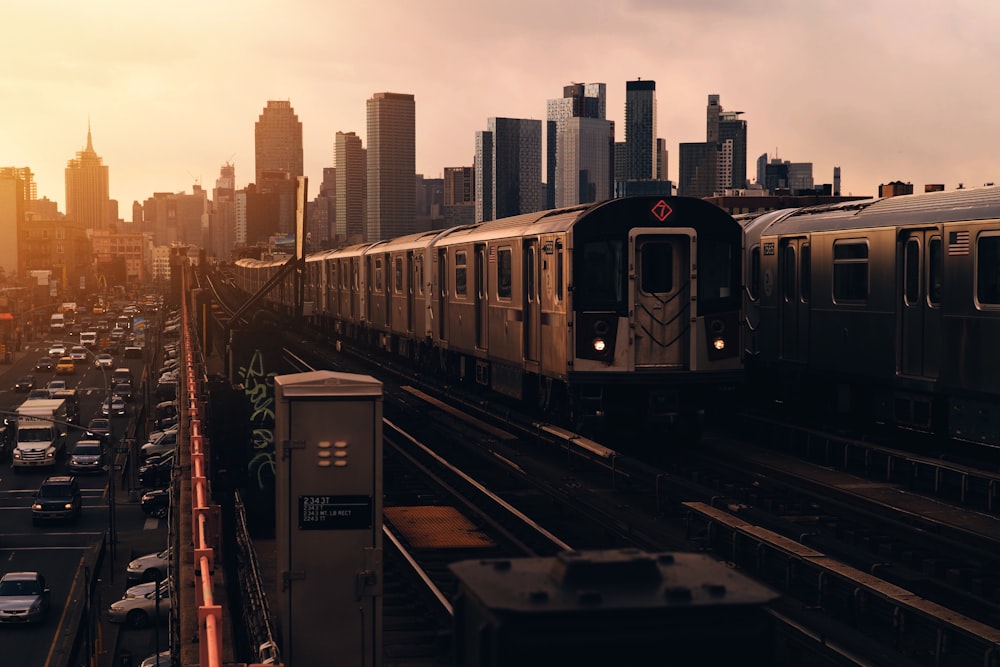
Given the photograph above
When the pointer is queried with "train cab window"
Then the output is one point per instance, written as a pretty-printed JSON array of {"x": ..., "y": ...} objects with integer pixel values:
[
  {"x": 397, "y": 270},
  {"x": 850, "y": 270},
  {"x": 935, "y": 272},
  {"x": 657, "y": 268},
  {"x": 988, "y": 270},
  {"x": 461, "y": 274},
  {"x": 504, "y": 283},
  {"x": 599, "y": 277}
]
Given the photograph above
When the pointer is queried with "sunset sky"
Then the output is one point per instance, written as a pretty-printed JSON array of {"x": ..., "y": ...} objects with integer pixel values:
[{"x": 887, "y": 89}]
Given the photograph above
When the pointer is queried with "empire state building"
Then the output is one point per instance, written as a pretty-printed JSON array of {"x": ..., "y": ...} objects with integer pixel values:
[{"x": 88, "y": 201}]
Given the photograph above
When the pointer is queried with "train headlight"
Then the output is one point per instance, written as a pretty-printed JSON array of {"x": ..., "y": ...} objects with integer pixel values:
[
  {"x": 719, "y": 343},
  {"x": 599, "y": 345}
]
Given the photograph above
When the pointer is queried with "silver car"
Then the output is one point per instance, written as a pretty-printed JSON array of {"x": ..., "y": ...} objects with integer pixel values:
[
  {"x": 149, "y": 567},
  {"x": 87, "y": 456},
  {"x": 24, "y": 597},
  {"x": 141, "y": 611}
]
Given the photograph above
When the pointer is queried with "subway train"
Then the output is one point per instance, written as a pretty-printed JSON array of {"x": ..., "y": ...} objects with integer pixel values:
[
  {"x": 887, "y": 310},
  {"x": 626, "y": 309}
]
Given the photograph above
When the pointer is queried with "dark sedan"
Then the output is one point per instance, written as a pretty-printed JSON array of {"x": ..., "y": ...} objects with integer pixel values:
[
  {"x": 156, "y": 503},
  {"x": 45, "y": 365},
  {"x": 100, "y": 428},
  {"x": 25, "y": 383}
]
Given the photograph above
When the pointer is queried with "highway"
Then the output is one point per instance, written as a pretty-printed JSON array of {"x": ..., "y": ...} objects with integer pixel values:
[{"x": 58, "y": 550}]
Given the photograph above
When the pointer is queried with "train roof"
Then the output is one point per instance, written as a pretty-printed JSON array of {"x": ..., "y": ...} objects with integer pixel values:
[{"x": 906, "y": 210}]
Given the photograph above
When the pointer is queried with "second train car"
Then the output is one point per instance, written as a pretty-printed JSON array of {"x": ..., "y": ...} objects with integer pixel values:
[
  {"x": 885, "y": 310},
  {"x": 628, "y": 309}
]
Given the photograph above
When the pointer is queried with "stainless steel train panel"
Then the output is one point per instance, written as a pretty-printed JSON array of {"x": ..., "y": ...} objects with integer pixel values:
[{"x": 664, "y": 279}]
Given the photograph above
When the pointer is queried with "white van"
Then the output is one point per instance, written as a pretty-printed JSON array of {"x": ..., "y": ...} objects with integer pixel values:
[
  {"x": 88, "y": 338},
  {"x": 57, "y": 322}
]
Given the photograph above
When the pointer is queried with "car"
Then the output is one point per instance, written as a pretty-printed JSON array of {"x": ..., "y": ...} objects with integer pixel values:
[
  {"x": 156, "y": 503},
  {"x": 138, "y": 590},
  {"x": 161, "y": 659},
  {"x": 165, "y": 423},
  {"x": 25, "y": 383},
  {"x": 79, "y": 354},
  {"x": 139, "y": 612},
  {"x": 123, "y": 391},
  {"x": 120, "y": 375},
  {"x": 113, "y": 406},
  {"x": 44, "y": 365},
  {"x": 65, "y": 366},
  {"x": 155, "y": 472},
  {"x": 57, "y": 349},
  {"x": 24, "y": 597},
  {"x": 104, "y": 360},
  {"x": 40, "y": 392},
  {"x": 57, "y": 498},
  {"x": 88, "y": 456},
  {"x": 55, "y": 385},
  {"x": 151, "y": 567},
  {"x": 162, "y": 444},
  {"x": 166, "y": 389},
  {"x": 133, "y": 351},
  {"x": 99, "y": 428}
]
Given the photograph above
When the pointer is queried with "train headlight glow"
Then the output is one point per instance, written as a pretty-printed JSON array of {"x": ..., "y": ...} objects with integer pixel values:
[
  {"x": 599, "y": 345},
  {"x": 719, "y": 344}
]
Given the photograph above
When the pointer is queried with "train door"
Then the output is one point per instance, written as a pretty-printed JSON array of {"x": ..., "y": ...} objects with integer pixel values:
[
  {"x": 794, "y": 276},
  {"x": 664, "y": 280},
  {"x": 442, "y": 293},
  {"x": 482, "y": 304},
  {"x": 532, "y": 309},
  {"x": 920, "y": 321}
]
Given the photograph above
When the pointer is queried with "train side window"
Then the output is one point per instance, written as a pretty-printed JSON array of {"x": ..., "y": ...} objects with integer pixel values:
[
  {"x": 504, "y": 285},
  {"x": 788, "y": 273},
  {"x": 378, "y": 274},
  {"x": 559, "y": 271},
  {"x": 357, "y": 275},
  {"x": 805, "y": 269},
  {"x": 657, "y": 268},
  {"x": 988, "y": 270},
  {"x": 935, "y": 273},
  {"x": 753, "y": 277},
  {"x": 461, "y": 277},
  {"x": 850, "y": 270},
  {"x": 419, "y": 274},
  {"x": 911, "y": 272}
]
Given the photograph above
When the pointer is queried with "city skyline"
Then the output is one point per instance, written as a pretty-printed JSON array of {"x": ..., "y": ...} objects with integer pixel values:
[{"x": 168, "y": 107}]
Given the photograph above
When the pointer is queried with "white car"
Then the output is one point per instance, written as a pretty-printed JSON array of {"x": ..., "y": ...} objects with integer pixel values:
[
  {"x": 78, "y": 354},
  {"x": 139, "y": 612},
  {"x": 149, "y": 567},
  {"x": 57, "y": 349},
  {"x": 104, "y": 360},
  {"x": 165, "y": 442},
  {"x": 24, "y": 598}
]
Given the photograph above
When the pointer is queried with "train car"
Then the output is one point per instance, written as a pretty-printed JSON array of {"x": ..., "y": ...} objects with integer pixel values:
[
  {"x": 629, "y": 308},
  {"x": 884, "y": 309}
]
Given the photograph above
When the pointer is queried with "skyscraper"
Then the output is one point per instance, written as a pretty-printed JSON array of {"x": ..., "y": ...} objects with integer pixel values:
[
  {"x": 351, "y": 164},
  {"x": 579, "y": 100},
  {"x": 508, "y": 168},
  {"x": 222, "y": 233},
  {"x": 87, "y": 192},
  {"x": 583, "y": 169},
  {"x": 391, "y": 165},
  {"x": 278, "y": 141},
  {"x": 729, "y": 132},
  {"x": 640, "y": 130}
]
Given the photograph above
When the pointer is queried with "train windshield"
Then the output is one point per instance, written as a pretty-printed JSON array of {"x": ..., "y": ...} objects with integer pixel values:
[
  {"x": 716, "y": 276},
  {"x": 600, "y": 280}
]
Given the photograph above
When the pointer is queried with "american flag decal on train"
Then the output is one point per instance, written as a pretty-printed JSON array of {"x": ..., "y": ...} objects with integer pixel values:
[{"x": 958, "y": 243}]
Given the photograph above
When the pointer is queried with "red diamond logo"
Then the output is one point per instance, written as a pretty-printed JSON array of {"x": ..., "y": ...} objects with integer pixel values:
[{"x": 661, "y": 211}]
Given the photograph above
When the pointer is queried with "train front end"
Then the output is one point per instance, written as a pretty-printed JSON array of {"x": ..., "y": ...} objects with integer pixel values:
[{"x": 655, "y": 305}]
